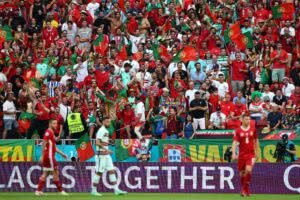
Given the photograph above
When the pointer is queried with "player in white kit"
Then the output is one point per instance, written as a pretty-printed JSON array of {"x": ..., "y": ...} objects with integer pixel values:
[{"x": 103, "y": 160}]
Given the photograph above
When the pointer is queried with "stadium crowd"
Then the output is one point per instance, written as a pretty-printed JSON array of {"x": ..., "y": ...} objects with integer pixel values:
[{"x": 157, "y": 68}]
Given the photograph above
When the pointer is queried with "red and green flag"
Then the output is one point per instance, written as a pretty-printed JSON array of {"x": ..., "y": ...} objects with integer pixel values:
[
  {"x": 127, "y": 148},
  {"x": 33, "y": 82},
  {"x": 122, "y": 55},
  {"x": 187, "y": 3},
  {"x": 167, "y": 26},
  {"x": 84, "y": 148},
  {"x": 232, "y": 33},
  {"x": 186, "y": 54},
  {"x": 179, "y": 5},
  {"x": 101, "y": 44},
  {"x": 283, "y": 11},
  {"x": 210, "y": 14},
  {"x": 160, "y": 52},
  {"x": 122, "y": 5},
  {"x": 244, "y": 41},
  {"x": 5, "y": 35},
  {"x": 24, "y": 121}
]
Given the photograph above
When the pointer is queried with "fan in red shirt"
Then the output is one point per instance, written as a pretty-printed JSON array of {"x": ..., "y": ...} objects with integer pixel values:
[
  {"x": 238, "y": 72},
  {"x": 227, "y": 106},
  {"x": 239, "y": 109},
  {"x": 48, "y": 159},
  {"x": 248, "y": 151},
  {"x": 50, "y": 35},
  {"x": 128, "y": 118}
]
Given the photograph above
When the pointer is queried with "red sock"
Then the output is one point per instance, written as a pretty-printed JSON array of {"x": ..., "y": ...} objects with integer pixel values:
[
  {"x": 247, "y": 182},
  {"x": 242, "y": 178},
  {"x": 248, "y": 178},
  {"x": 58, "y": 185},
  {"x": 40, "y": 185}
]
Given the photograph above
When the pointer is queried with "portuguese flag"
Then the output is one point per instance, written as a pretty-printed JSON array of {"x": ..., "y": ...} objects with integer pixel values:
[
  {"x": 210, "y": 14},
  {"x": 101, "y": 44},
  {"x": 122, "y": 55},
  {"x": 283, "y": 11},
  {"x": 160, "y": 52},
  {"x": 122, "y": 5},
  {"x": 35, "y": 83},
  {"x": 232, "y": 32},
  {"x": 24, "y": 121},
  {"x": 6, "y": 34},
  {"x": 186, "y": 54},
  {"x": 167, "y": 26},
  {"x": 84, "y": 148},
  {"x": 244, "y": 41},
  {"x": 126, "y": 148}
]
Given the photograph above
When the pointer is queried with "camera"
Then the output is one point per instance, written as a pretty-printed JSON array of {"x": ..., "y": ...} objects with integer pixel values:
[
  {"x": 281, "y": 153},
  {"x": 74, "y": 159}
]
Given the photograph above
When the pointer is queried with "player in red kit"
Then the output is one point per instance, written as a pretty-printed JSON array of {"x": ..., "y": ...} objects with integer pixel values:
[
  {"x": 248, "y": 142},
  {"x": 48, "y": 159}
]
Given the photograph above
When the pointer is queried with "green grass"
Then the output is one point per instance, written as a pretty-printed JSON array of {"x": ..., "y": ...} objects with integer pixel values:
[{"x": 146, "y": 196}]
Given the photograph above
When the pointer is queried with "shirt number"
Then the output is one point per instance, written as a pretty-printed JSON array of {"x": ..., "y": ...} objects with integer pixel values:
[{"x": 247, "y": 140}]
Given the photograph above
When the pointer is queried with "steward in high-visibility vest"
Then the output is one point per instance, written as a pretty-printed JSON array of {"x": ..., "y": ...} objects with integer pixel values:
[{"x": 76, "y": 125}]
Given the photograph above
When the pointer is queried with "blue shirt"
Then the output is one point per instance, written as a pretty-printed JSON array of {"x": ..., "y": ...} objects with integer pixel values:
[
  {"x": 243, "y": 100},
  {"x": 192, "y": 65},
  {"x": 188, "y": 130},
  {"x": 195, "y": 76}
]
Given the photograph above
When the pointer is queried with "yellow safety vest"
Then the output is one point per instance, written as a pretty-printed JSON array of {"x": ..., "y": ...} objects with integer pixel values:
[{"x": 74, "y": 123}]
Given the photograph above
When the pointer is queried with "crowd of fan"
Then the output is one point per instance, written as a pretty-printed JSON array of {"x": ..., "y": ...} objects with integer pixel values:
[{"x": 68, "y": 57}]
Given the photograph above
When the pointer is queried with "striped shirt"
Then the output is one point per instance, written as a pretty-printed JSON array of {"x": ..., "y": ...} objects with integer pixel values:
[{"x": 51, "y": 85}]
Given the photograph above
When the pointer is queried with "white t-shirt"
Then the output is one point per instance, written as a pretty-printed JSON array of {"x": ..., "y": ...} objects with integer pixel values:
[
  {"x": 82, "y": 71},
  {"x": 140, "y": 109},
  {"x": 269, "y": 94},
  {"x": 173, "y": 67},
  {"x": 92, "y": 7},
  {"x": 3, "y": 78},
  {"x": 64, "y": 110},
  {"x": 145, "y": 77},
  {"x": 287, "y": 90},
  {"x": 9, "y": 106},
  {"x": 135, "y": 66},
  {"x": 217, "y": 120},
  {"x": 64, "y": 79},
  {"x": 103, "y": 135},
  {"x": 135, "y": 41},
  {"x": 223, "y": 88},
  {"x": 291, "y": 29},
  {"x": 190, "y": 94}
]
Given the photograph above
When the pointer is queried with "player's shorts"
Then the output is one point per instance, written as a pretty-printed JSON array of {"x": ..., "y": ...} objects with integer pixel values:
[
  {"x": 104, "y": 163},
  {"x": 243, "y": 162},
  {"x": 49, "y": 164}
]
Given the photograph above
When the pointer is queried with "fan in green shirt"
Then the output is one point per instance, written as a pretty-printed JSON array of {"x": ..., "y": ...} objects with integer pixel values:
[{"x": 62, "y": 70}]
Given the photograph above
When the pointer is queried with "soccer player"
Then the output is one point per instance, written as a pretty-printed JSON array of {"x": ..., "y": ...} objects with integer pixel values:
[
  {"x": 103, "y": 159},
  {"x": 48, "y": 159},
  {"x": 248, "y": 151}
]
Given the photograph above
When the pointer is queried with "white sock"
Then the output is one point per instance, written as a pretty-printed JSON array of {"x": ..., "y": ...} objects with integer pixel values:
[
  {"x": 95, "y": 181},
  {"x": 116, "y": 187}
]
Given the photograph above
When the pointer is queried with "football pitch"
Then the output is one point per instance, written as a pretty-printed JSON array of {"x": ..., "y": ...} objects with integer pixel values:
[{"x": 145, "y": 196}]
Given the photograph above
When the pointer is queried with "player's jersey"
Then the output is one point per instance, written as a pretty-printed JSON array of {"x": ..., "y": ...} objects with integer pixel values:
[
  {"x": 50, "y": 148},
  {"x": 103, "y": 135},
  {"x": 246, "y": 139}
]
